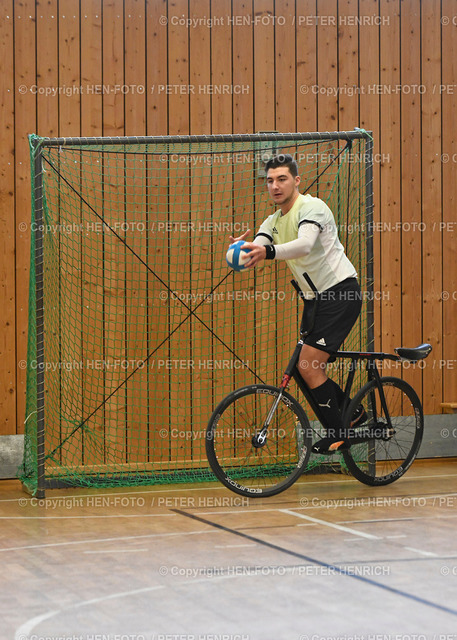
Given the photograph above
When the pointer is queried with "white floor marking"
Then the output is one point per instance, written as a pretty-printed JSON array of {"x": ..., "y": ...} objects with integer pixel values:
[
  {"x": 23, "y": 632},
  {"x": 353, "y": 540},
  {"x": 102, "y": 540},
  {"x": 116, "y": 551},
  {"x": 233, "y": 546},
  {"x": 25, "y": 629},
  {"x": 332, "y": 525},
  {"x": 236, "y": 511},
  {"x": 424, "y": 553},
  {"x": 82, "y": 517}
]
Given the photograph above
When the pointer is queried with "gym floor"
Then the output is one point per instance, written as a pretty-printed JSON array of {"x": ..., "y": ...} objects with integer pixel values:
[{"x": 329, "y": 559}]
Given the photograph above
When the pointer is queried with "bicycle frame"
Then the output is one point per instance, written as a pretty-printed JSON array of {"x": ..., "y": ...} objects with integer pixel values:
[{"x": 292, "y": 372}]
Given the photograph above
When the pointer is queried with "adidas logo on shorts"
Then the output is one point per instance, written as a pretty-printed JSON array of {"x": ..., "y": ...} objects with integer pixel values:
[{"x": 321, "y": 342}]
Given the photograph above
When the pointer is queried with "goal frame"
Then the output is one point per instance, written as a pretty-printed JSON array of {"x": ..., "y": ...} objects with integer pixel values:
[{"x": 37, "y": 144}]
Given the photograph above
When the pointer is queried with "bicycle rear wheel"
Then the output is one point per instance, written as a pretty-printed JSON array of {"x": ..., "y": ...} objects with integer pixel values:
[
  {"x": 386, "y": 457},
  {"x": 258, "y": 471}
]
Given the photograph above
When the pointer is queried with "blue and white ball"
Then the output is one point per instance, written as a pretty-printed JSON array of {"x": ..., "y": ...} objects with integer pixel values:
[{"x": 236, "y": 257}]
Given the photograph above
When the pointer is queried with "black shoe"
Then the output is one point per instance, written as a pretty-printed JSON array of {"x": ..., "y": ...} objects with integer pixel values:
[{"x": 327, "y": 446}]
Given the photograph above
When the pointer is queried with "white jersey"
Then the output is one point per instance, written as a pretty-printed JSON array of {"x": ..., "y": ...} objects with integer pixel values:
[{"x": 323, "y": 259}]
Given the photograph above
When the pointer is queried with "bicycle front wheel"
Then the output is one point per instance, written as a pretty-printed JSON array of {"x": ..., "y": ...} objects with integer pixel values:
[
  {"x": 397, "y": 425},
  {"x": 247, "y": 468}
]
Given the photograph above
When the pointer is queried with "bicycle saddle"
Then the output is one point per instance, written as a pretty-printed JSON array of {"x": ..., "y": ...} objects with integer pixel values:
[{"x": 414, "y": 353}]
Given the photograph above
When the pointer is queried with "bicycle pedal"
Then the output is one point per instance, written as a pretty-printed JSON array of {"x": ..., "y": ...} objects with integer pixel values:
[{"x": 366, "y": 434}]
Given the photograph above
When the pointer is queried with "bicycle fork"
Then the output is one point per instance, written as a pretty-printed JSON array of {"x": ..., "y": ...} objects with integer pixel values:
[{"x": 260, "y": 438}]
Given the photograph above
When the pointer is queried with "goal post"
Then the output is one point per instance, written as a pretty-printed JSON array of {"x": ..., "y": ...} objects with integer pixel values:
[{"x": 137, "y": 327}]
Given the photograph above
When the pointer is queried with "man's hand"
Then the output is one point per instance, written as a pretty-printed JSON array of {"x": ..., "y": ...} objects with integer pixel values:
[
  {"x": 243, "y": 237},
  {"x": 257, "y": 253}
]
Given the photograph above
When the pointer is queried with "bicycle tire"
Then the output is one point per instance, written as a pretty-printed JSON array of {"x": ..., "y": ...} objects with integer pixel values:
[
  {"x": 383, "y": 460},
  {"x": 257, "y": 471}
]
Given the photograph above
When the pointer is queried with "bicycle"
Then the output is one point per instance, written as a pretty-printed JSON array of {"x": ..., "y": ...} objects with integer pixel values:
[{"x": 259, "y": 438}]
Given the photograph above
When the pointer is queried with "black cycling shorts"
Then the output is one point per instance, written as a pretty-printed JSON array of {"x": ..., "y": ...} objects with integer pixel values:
[{"x": 337, "y": 311}]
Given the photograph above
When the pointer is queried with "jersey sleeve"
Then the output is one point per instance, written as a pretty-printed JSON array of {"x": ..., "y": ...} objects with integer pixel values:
[
  {"x": 316, "y": 213},
  {"x": 261, "y": 240},
  {"x": 265, "y": 233}
]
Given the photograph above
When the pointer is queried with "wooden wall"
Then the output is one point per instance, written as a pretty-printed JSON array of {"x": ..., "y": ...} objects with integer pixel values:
[{"x": 114, "y": 67}]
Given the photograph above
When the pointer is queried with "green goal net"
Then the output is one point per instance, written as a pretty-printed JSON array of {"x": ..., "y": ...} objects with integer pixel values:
[{"x": 137, "y": 327}]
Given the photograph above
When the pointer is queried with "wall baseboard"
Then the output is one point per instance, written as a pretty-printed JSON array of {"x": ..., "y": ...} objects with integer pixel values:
[{"x": 11, "y": 454}]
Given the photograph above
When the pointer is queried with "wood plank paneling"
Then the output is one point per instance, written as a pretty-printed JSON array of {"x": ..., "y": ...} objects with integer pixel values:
[
  {"x": 306, "y": 67},
  {"x": 449, "y": 203},
  {"x": 327, "y": 65},
  {"x": 348, "y": 72},
  {"x": 96, "y": 311},
  {"x": 202, "y": 79},
  {"x": 221, "y": 86},
  {"x": 389, "y": 144},
  {"x": 282, "y": 53},
  {"x": 113, "y": 67},
  {"x": 136, "y": 295},
  {"x": 285, "y": 77},
  {"x": 243, "y": 68},
  {"x": 432, "y": 284},
  {"x": 25, "y": 113},
  {"x": 177, "y": 87},
  {"x": 369, "y": 107},
  {"x": 156, "y": 67},
  {"x": 91, "y": 67},
  {"x": 47, "y": 69},
  {"x": 7, "y": 234},
  {"x": 263, "y": 63},
  {"x": 135, "y": 67},
  {"x": 71, "y": 287},
  {"x": 200, "y": 68},
  {"x": 411, "y": 210},
  {"x": 69, "y": 72}
]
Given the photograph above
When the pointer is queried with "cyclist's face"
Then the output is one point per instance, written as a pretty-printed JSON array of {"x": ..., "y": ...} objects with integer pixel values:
[{"x": 282, "y": 186}]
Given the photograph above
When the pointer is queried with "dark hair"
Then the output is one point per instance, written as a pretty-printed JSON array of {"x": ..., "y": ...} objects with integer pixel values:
[{"x": 282, "y": 160}]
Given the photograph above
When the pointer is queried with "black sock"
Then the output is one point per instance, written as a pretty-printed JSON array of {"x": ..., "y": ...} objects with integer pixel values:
[
  {"x": 327, "y": 398},
  {"x": 339, "y": 392},
  {"x": 340, "y": 395}
]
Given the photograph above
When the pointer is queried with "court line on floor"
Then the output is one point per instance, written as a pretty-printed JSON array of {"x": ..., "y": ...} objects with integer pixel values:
[
  {"x": 344, "y": 503},
  {"x": 100, "y": 551},
  {"x": 430, "y": 554},
  {"x": 87, "y": 517},
  {"x": 319, "y": 563},
  {"x": 219, "y": 487},
  {"x": 332, "y": 525},
  {"x": 234, "y": 546},
  {"x": 324, "y": 503},
  {"x": 101, "y": 540},
  {"x": 24, "y": 631},
  {"x": 30, "y": 625},
  {"x": 353, "y": 531},
  {"x": 132, "y": 515},
  {"x": 27, "y": 627}
]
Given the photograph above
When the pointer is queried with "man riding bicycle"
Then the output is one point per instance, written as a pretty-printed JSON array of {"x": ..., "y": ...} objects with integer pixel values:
[{"x": 302, "y": 231}]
